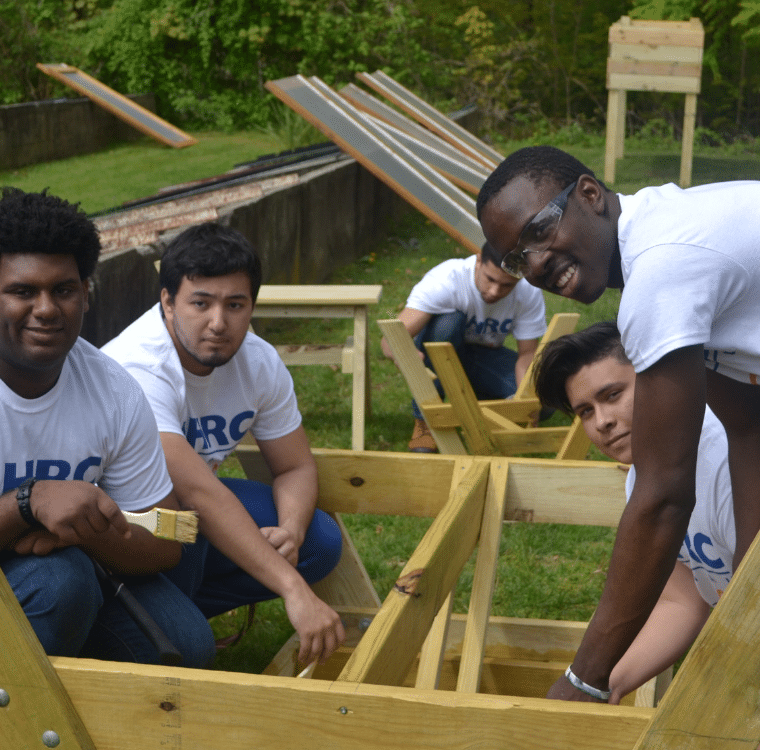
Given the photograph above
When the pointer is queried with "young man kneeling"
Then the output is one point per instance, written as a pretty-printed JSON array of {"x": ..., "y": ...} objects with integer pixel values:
[{"x": 588, "y": 374}]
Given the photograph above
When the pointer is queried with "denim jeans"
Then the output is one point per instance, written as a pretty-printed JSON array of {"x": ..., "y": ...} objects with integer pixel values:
[
  {"x": 491, "y": 372},
  {"x": 216, "y": 584},
  {"x": 73, "y": 616}
]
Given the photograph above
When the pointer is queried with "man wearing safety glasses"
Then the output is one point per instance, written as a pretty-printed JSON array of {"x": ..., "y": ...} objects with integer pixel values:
[{"x": 688, "y": 262}]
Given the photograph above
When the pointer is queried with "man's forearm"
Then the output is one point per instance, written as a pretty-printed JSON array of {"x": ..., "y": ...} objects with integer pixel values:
[
  {"x": 295, "y": 497},
  {"x": 12, "y": 525},
  {"x": 645, "y": 552}
]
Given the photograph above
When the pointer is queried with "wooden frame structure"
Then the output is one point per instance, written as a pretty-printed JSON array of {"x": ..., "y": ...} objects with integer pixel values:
[
  {"x": 125, "y": 109},
  {"x": 94, "y": 705},
  {"x": 489, "y": 428},
  {"x": 652, "y": 56}
]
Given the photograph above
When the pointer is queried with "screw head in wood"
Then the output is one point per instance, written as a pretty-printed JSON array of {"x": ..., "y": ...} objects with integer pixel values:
[
  {"x": 50, "y": 738},
  {"x": 5, "y": 699}
]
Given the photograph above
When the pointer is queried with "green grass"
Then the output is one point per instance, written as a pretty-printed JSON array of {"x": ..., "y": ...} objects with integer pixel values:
[{"x": 546, "y": 571}]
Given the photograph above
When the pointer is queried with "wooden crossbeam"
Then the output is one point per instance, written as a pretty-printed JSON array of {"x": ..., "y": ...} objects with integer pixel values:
[{"x": 395, "y": 636}]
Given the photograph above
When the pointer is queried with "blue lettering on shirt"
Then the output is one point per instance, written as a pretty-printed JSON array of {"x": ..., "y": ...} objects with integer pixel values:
[
  {"x": 711, "y": 357},
  {"x": 46, "y": 468},
  {"x": 697, "y": 552},
  {"x": 489, "y": 325},
  {"x": 215, "y": 426}
]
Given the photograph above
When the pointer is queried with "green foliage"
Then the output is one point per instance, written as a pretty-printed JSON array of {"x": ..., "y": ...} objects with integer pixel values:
[{"x": 208, "y": 62}]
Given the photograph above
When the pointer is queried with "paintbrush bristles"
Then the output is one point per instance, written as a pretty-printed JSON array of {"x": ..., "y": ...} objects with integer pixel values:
[
  {"x": 185, "y": 525},
  {"x": 176, "y": 525}
]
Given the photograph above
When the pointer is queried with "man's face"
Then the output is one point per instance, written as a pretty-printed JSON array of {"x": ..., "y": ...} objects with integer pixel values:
[
  {"x": 601, "y": 394},
  {"x": 577, "y": 264},
  {"x": 208, "y": 319},
  {"x": 492, "y": 283},
  {"x": 42, "y": 303}
]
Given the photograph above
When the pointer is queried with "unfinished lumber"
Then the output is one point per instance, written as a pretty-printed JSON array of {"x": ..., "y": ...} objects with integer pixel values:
[{"x": 385, "y": 654}]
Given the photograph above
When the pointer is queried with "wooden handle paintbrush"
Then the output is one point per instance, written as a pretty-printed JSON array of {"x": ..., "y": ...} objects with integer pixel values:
[{"x": 178, "y": 525}]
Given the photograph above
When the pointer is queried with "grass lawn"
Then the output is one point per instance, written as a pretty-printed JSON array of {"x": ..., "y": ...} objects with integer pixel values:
[{"x": 545, "y": 571}]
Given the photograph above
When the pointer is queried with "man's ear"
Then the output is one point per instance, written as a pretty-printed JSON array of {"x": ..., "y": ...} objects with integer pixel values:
[
  {"x": 590, "y": 191},
  {"x": 167, "y": 302}
]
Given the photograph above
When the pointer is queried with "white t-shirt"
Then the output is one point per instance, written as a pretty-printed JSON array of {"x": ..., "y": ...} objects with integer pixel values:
[
  {"x": 691, "y": 267},
  {"x": 708, "y": 548},
  {"x": 94, "y": 425},
  {"x": 253, "y": 391},
  {"x": 450, "y": 287}
]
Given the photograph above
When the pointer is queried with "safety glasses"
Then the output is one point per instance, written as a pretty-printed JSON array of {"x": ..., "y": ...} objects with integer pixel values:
[{"x": 538, "y": 234}]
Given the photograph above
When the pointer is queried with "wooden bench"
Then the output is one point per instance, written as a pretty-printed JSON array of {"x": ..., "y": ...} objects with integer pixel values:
[{"x": 328, "y": 301}]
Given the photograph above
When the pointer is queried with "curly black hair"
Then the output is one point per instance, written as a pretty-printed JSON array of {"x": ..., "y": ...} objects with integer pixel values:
[
  {"x": 567, "y": 355},
  {"x": 41, "y": 223},
  {"x": 536, "y": 163}
]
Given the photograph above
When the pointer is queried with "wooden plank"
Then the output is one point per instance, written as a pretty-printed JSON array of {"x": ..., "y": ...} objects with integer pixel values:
[
  {"x": 433, "y": 649},
  {"x": 529, "y": 440},
  {"x": 668, "y": 68},
  {"x": 615, "y": 115},
  {"x": 35, "y": 700},
  {"x": 712, "y": 702},
  {"x": 407, "y": 359},
  {"x": 559, "y": 325},
  {"x": 647, "y": 52},
  {"x": 135, "y": 707},
  {"x": 395, "y": 636},
  {"x": 120, "y": 106},
  {"x": 462, "y": 397},
  {"x": 431, "y": 118},
  {"x": 516, "y": 410},
  {"x": 576, "y": 443},
  {"x": 348, "y": 583},
  {"x": 360, "y": 400},
  {"x": 687, "y": 139},
  {"x": 574, "y": 492},
  {"x": 484, "y": 577},
  {"x": 355, "y": 135},
  {"x": 310, "y": 354},
  {"x": 646, "y": 33},
  {"x": 654, "y": 83},
  {"x": 300, "y": 295}
]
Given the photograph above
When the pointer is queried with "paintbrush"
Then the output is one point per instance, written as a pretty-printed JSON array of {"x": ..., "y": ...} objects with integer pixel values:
[{"x": 179, "y": 525}]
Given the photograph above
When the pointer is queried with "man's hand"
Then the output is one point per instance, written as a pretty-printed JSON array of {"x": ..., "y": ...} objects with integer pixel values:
[
  {"x": 37, "y": 542},
  {"x": 563, "y": 690},
  {"x": 318, "y": 626},
  {"x": 74, "y": 511},
  {"x": 284, "y": 541}
]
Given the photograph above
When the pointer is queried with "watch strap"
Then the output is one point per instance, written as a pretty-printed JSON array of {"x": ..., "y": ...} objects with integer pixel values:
[{"x": 24, "y": 498}]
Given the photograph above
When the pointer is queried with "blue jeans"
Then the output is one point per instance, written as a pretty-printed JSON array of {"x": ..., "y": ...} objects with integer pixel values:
[
  {"x": 491, "y": 372},
  {"x": 216, "y": 584},
  {"x": 73, "y": 616}
]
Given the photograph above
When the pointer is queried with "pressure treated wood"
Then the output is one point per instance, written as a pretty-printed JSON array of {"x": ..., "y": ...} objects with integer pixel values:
[
  {"x": 121, "y": 705},
  {"x": 391, "y": 643},
  {"x": 38, "y": 702}
]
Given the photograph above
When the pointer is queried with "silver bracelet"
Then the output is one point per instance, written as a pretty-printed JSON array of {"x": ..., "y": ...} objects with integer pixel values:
[{"x": 577, "y": 682}]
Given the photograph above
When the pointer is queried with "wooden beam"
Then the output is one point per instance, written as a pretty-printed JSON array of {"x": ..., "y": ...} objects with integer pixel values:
[
  {"x": 395, "y": 636},
  {"x": 135, "y": 707},
  {"x": 34, "y": 701}
]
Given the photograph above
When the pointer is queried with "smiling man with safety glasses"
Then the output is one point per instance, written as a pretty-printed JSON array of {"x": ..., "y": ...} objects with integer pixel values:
[{"x": 688, "y": 262}]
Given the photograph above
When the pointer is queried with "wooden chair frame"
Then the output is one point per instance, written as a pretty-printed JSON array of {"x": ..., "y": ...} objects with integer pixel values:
[{"x": 489, "y": 427}]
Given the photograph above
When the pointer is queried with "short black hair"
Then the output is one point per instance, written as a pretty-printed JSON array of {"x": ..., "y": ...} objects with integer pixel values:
[
  {"x": 537, "y": 163},
  {"x": 565, "y": 356},
  {"x": 208, "y": 250},
  {"x": 34, "y": 223},
  {"x": 488, "y": 254}
]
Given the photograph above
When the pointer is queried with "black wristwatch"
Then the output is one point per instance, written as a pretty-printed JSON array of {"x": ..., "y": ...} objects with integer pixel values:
[{"x": 23, "y": 498}]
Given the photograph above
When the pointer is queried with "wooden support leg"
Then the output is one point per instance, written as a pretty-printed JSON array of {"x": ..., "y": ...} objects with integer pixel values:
[
  {"x": 687, "y": 142},
  {"x": 386, "y": 652},
  {"x": 361, "y": 391},
  {"x": 434, "y": 648},
  {"x": 474, "y": 644},
  {"x": 615, "y": 113},
  {"x": 713, "y": 701},
  {"x": 35, "y": 709}
]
